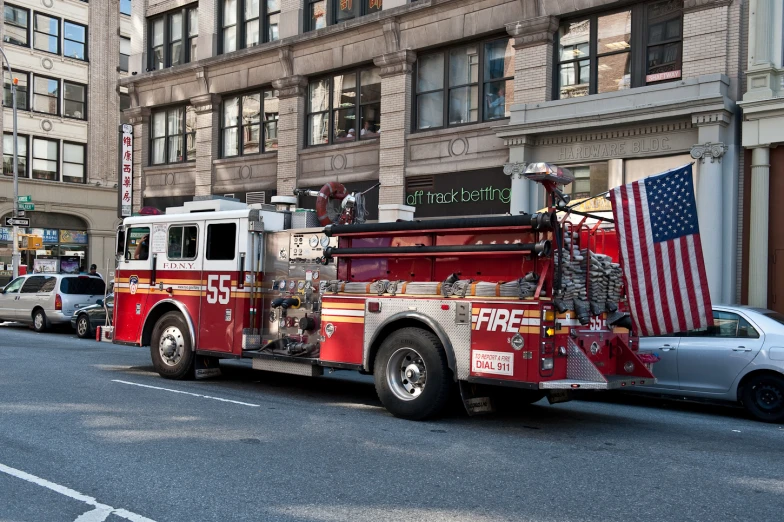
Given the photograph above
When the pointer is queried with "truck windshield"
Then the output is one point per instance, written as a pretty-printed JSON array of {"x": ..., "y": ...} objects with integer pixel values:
[{"x": 82, "y": 285}]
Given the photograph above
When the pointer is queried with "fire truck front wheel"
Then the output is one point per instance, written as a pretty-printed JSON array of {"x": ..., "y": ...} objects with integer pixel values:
[
  {"x": 170, "y": 347},
  {"x": 412, "y": 376}
]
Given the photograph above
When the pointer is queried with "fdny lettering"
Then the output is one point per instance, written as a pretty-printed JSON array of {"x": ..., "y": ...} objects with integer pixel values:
[
  {"x": 179, "y": 266},
  {"x": 498, "y": 320}
]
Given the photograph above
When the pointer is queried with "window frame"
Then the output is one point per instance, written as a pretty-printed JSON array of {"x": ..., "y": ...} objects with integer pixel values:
[
  {"x": 183, "y": 134},
  {"x": 58, "y": 97},
  {"x": 57, "y": 161},
  {"x": 26, "y": 156},
  {"x": 331, "y": 12},
  {"x": 85, "y": 44},
  {"x": 240, "y": 126},
  {"x": 130, "y": 9},
  {"x": 208, "y": 241},
  {"x": 357, "y": 71},
  {"x": 182, "y": 226},
  {"x": 184, "y": 39},
  {"x": 84, "y": 165},
  {"x": 27, "y": 97},
  {"x": 241, "y": 23},
  {"x": 59, "y": 33},
  {"x": 637, "y": 54},
  {"x": 62, "y": 86},
  {"x": 445, "y": 88},
  {"x": 127, "y": 56},
  {"x": 29, "y": 25}
]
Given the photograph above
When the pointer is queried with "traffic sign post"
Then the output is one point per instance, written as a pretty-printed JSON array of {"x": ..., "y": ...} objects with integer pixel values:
[{"x": 17, "y": 222}]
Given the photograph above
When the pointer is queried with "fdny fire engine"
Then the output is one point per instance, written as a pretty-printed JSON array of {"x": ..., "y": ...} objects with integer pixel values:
[{"x": 529, "y": 301}]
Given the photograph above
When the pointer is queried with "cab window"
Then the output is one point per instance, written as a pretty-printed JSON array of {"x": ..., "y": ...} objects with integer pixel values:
[
  {"x": 221, "y": 241},
  {"x": 727, "y": 325},
  {"x": 14, "y": 286},
  {"x": 137, "y": 244},
  {"x": 182, "y": 242}
]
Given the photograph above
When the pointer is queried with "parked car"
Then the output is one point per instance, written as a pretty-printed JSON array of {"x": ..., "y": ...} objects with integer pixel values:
[
  {"x": 739, "y": 359},
  {"x": 44, "y": 300},
  {"x": 86, "y": 320}
]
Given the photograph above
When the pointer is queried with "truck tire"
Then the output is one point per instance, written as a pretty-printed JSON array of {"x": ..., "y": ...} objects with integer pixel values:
[
  {"x": 39, "y": 321},
  {"x": 412, "y": 376},
  {"x": 83, "y": 328},
  {"x": 170, "y": 347},
  {"x": 763, "y": 397}
]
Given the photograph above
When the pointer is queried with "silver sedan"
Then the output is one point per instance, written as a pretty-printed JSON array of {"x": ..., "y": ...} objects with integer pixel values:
[{"x": 739, "y": 359}]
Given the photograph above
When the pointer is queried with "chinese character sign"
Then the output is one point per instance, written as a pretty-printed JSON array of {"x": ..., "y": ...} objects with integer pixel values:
[{"x": 126, "y": 171}]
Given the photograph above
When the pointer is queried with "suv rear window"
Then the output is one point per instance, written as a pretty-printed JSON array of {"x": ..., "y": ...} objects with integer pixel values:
[{"x": 82, "y": 285}]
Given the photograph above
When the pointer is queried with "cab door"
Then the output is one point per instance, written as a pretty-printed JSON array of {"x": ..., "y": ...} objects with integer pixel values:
[
  {"x": 666, "y": 369},
  {"x": 132, "y": 285},
  {"x": 220, "y": 270}
]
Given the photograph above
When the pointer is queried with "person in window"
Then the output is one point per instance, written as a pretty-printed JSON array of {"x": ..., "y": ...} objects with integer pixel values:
[
  {"x": 142, "y": 248},
  {"x": 496, "y": 104},
  {"x": 350, "y": 134},
  {"x": 366, "y": 131}
]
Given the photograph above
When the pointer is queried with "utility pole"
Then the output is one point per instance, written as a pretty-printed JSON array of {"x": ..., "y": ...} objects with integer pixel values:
[{"x": 16, "y": 257}]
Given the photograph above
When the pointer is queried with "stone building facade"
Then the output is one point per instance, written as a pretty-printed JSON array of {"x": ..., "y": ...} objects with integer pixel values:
[
  {"x": 65, "y": 54},
  {"x": 431, "y": 98}
]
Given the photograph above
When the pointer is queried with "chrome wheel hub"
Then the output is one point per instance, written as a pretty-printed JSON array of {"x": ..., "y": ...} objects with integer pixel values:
[
  {"x": 39, "y": 321},
  {"x": 406, "y": 374},
  {"x": 171, "y": 346},
  {"x": 81, "y": 326}
]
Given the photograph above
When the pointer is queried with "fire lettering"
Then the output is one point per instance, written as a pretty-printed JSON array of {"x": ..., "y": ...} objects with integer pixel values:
[{"x": 500, "y": 320}]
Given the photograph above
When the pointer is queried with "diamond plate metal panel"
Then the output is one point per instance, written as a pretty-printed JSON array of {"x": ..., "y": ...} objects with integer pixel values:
[
  {"x": 304, "y": 219},
  {"x": 459, "y": 334},
  {"x": 251, "y": 340},
  {"x": 293, "y": 368},
  {"x": 579, "y": 367}
]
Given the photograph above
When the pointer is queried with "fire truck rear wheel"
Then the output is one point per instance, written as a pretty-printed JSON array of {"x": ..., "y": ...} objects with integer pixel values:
[
  {"x": 170, "y": 347},
  {"x": 412, "y": 376}
]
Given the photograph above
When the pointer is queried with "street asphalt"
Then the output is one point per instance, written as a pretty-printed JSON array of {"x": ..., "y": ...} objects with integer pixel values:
[{"x": 89, "y": 432}]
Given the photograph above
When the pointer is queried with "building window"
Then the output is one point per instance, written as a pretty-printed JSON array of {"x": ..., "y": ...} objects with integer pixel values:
[
  {"x": 21, "y": 91},
  {"x": 352, "y": 112},
  {"x": 46, "y": 95},
  {"x": 8, "y": 154},
  {"x": 602, "y": 53},
  {"x": 125, "y": 7},
  {"x": 125, "y": 52},
  {"x": 466, "y": 84},
  {"x": 74, "y": 40},
  {"x": 73, "y": 162},
  {"x": 243, "y": 121},
  {"x": 245, "y": 23},
  {"x": 321, "y": 13},
  {"x": 173, "y": 136},
  {"x": 182, "y": 242},
  {"x": 172, "y": 39},
  {"x": 46, "y": 158},
  {"x": 46, "y": 33},
  {"x": 193, "y": 34},
  {"x": 17, "y": 25},
  {"x": 74, "y": 100}
]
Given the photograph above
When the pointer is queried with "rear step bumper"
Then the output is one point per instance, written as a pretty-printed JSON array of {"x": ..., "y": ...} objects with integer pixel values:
[{"x": 610, "y": 382}]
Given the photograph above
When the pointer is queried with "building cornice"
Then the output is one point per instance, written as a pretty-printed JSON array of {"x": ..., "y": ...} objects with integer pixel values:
[
  {"x": 692, "y": 6},
  {"x": 534, "y": 31}
]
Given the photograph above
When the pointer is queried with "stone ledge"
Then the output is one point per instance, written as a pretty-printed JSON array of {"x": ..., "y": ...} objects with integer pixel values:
[
  {"x": 185, "y": 166},
  {"x": 487, "y": 126},
  {"x": 248, "y": 158},
  {"x": 340, "y": 147}
]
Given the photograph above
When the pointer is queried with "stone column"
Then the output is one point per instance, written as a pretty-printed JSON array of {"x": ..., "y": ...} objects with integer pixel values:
[
  {"x": 709, "y": 210},
  {"x": 758, "y": 227},
  {"x": 396, "y": 87},
  {"x": 533, "y": 79},
  {"x": 207, "y": 140},
  {"x": 208, "y": 29},
  {"x": 291, "y": 93},
  {"x": 139, "y": 117},
  {"x": 137, "y": 61}
]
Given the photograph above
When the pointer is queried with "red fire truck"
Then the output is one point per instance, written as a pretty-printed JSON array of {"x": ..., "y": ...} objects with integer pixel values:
[{"x": 421, "y": 305}]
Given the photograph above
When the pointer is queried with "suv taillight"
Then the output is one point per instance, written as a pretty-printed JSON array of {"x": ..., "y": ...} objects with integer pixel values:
[{"x": 58, "y": 302}]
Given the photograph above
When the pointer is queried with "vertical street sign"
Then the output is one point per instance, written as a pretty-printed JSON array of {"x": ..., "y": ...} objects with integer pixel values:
[{"x": 126, "y": 171}]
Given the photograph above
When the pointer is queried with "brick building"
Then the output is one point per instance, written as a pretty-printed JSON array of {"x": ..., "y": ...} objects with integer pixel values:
[
  {"x": 432, "y": 98},
  {"x": 66, "y": 55}
]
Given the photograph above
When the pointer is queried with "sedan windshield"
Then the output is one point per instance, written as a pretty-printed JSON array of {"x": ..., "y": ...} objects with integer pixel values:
[
  {"x": 775, "y": 316},
  {"x": 82, "y": 285}
]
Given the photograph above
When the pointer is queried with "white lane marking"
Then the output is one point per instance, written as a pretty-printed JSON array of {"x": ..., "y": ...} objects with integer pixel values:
[
  {"x": 188, "y": 393},
  {"x": 99, "y": 514}
]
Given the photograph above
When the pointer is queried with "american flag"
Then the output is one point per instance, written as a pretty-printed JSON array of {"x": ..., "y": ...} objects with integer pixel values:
[{"x": 661, "y": 253}]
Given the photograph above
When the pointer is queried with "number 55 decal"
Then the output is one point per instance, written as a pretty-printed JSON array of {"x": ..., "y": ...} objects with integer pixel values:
[{"x": 221, "y": 292}]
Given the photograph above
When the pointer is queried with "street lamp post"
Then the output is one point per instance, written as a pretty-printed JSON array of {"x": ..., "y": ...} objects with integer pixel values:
[{"x": 16, "y": 258}]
